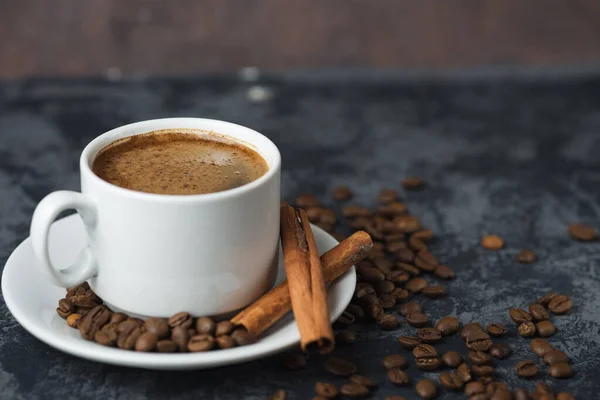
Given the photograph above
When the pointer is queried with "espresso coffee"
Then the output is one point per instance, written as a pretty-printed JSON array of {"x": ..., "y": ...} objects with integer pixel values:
[{"x": 178, "y": 163}]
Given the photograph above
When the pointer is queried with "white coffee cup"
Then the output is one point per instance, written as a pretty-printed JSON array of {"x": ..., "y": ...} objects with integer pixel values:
[{"x": 155, "y": 255}]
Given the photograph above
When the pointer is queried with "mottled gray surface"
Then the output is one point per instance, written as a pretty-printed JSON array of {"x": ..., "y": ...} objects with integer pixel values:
[{"x": 516, "y": 157}]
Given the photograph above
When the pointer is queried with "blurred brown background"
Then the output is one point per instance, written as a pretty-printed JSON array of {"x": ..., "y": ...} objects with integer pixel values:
[{"x": 162, "y": 37}]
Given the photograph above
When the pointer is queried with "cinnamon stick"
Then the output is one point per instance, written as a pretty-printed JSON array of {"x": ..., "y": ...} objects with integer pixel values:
[{"x": 274, "y": 304}]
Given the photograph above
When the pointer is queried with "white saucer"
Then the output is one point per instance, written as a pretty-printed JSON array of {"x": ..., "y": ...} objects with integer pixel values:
[{"x": 33, "y": 300}]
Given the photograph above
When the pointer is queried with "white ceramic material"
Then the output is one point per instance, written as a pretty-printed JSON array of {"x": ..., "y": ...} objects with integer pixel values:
[
  {"x": 154, "y": 255},
  {"x": 32, "y": 299}
]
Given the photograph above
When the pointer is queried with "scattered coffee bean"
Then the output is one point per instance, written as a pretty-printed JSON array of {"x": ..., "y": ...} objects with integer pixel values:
[
  {"x": 426, "y": 357},
  {"x": 424, "y": 235},
  {"x": 353, "y": 309},
  {"x": 410, "y": 269},
  {"x": 500, "y": 351},
  {"x": 492, "y": 242},
  {"x": 225, "y": 342},
  {"x": 522, "y": 394},
  {"x": 383, "y": 287},
  {"x": 412, "y": 183},
  {"x": 398, "y": 277},
  {"x": 398, "y": 376},
  {"x": 433, "y": 292},
  {"x": 405, "y": 256},
  {"x": 278, "y": 395},
  {"x": 526, "y": 257},
  {"x": 474, "y": 388},
  {"x": 393, "y": 247},
  {"x": 182, "y": 319},
  {"x": 342, "y": 193},
  {"x": 363, "y": 289},
  {"x": 483, "y": 370},
  {"x": 519, "y": 315},
  {"x": 582, "y": 232},
  {"x": 345, "y": 337},
  {"x": 546, "y": 299},
  {"x": 387, "y": 196},
  {"x": 469, "y": 328},
  {"x": 327, "y": 390},
  {"x": 370, "y": 303},
  {"x": 340, "y": 367},
  {"x": 555, "y": 356},
  {"x": 371, "y": 274},
  {"x": 479, "y": 357},
  {"x": 157, "y": 326},
  {"x": 388, "y": 322},
  {"x": 354, "y": 390},
  {"x": 527, "y": 329},
  {"x": 408, "y": 342},
  {"x": 443, "y": 272},
  {"x": 166, "y": 346},
  {"x": 451, "y": 359},
  {"x": 400, "y": 295},
  {"x": 415, "y": 285},
  {"x": 429, "y": 335},
  {"x": 540, "y": 346},
  {"x": 346, "y": 318},
  {"x": 417, "y": 319},
  {"x": 407, "y": 224},
  {"x": 394, "y": 361},
  {"x": 560, "y": 304},
  {"x": 464, "y": 372},
  {"x": 307, "y": 201},
  {"x": 448, "y": 325},
  {"x": 363, "y": 380},
  {"x": 542, "y": 388},
  {"x": 478, "y": 341},
  {"x": 564, "y": 396},
  {"x": 146, "y": 342},
  {"x": 353, "y": 211},
  {"x": 560, "y": 370},
  {"x": 93, "y": 321},
  {"x": 545, "y": 328},
  {"x": 426, "y": 389},
  {"x": 450, "y": 380},
  {"x": 180, "y": 336},
  {"x": 409, "y": 308},
  {"x": 384, "y": 264},
  {"x": 242, "y": 337},
  {"x": 387, "y": 301},
  {"x": 538, "y": 312},
  {"x": 201, "y": 342},
  {"x": 496, "y": 329},
  {"x": 73, "y": 320},
  {"x": 293, "y": 361}
]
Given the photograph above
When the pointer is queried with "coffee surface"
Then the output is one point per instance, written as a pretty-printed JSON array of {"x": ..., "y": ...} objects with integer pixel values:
[{"x": 178, "y": 163}]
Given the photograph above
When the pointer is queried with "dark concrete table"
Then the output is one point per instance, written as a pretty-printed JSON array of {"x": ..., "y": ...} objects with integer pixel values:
[{"x": 510, "y": 155}]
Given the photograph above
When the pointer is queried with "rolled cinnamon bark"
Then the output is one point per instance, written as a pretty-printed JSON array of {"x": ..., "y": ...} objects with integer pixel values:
[{"x": 274, "y": 304}]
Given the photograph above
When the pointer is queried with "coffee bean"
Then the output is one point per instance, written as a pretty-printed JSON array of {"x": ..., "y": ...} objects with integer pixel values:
[
  {"x": 93, "y": 321},
  {"x": 79, "y": 289},
  {"x": 105, "y": 338},
  {"x": 157, "y": 326},
  {"x": 560, "y": 370},
  {"x": 527, "y": 329},
  {"x": 526, "y": 369},
  {"x": 424, "y": 235},
  {"x": 408, "y": 342},
  {"x": 582, "y": 232},
  {"x": 412, "y": 183},
  {"x": 85, "y": 300},
  {"x": 429, "y": 335},
  {"x": 522, "y": 394},
  {"x": 205, "y": 325},
  {"x": 408, "y": 308},
  {"x": 492, "y": 242},
  {"x": 398, "y": 376},
  {"x": 224, "y": 328},
  {"x": 450, "y": 380},
  {"x": 354, "y": 390},
  {"x": 393, "y": 247},
  {"x": 545, "y": 328},
  {"x": 342, "y": 193},
  {"x": 479, "y": 357},
  {"x": 387, "y": 196},
  {"x": 383, "y": 287},
  {"x": 119, "y": 317},
  {"x": 482, "y": 370},
  {"x": 65, "y": 308},
  {"x": 443, "y": 272},
  {"x": 474, "y": 388},
  {"x": 293, "y": 361},
  {"x": 538, "y": 312},
  {"x": 242, "y": 337},
  {"x": 407, "y": 224},
  {"x": 423, "y": 265},
  {"x": 182, "y": 319},
  {"x": 464, "y": 372},
  {"x": 146, "y": 342},
  {"x": 426, "y": 357},
  {"x": 426, "y": 389},
  {"x": 371, "y": 305},
  {"x": 424, "y": 350},
  {"x": 129, "y": 334},
  {"x": 417, "y": 319},
  {"x": 554, "y": 356},
  {"x": 560, "y": 304},
  {"x": 371, "y": 274},
  {"x": 353, "y": 211},
  {"x": 400, "y": 295},
  {"x": 394, "y": 361},
  {"x": 564, "y": 396},
  {"x": 345, "y": 337},
  {"x": 469, "y": 328},
  {"x": 478, "y": 341},
  {"x": 201, "y": 342},
  {"x": 498, "y": 391},
  {"x": 181, "y": 336},
  {"x": 433, "y": 292},
  {"x": 327, "y": 390},
  {"x": 225, "y": 342},
  {"x": 448, "y": 325},
  {"x": 346, "y": 318},
  {"x": 166, "y": 346},
  {"x": 451, "y": 359},
  {"x": 415, "y": 285},
  {"x": 340, "y": 367},
  {"x": 355, "y": 310},
  {"x": 388, "y": 322},
  {"x": 73, "y": 320},
  {"x": 278, "y": 395},
  {"x": 384, "y": 264},
  {"x": 526, "y": 257},
  {"x": 546, "y": 299},
  {"x": 404, "y": 255},
  {"x": 500, "y": 351},
  {"x": 540, "y": 346},
  {"x": 496, "y": 329},
  {"x": 519, "y": 315},
  {"x": 392, "y": 210},
  {"x": 363, "y": 380},
  {"x": 410, "y": 269},
  {"x": 307, "y": 201},
  {"x": 542, "y": 388}
]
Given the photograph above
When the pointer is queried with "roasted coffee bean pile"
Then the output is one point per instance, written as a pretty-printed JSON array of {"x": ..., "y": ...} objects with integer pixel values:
[
  {"x": 84, "y": 311},
  {"x": 390, "y": 283}
]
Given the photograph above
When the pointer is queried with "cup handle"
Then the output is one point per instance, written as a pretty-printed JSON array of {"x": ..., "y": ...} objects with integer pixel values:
[{"x": 45, "y": 213}]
